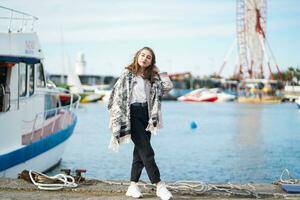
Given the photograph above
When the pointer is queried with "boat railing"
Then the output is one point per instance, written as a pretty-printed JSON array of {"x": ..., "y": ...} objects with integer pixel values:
[
  {"x": 50, "y": 121},
  {"x": 17, "y": 21}
]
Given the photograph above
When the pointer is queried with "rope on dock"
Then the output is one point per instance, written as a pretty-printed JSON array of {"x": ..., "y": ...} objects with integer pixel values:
[
  {"x": 198, "y": 187},
  {"x": 56, "y": 182},
  {"x": 201, "y": 187},
  {"x": 286, "y": 178}
]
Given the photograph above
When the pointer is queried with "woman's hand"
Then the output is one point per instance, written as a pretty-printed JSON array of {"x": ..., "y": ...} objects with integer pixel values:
[{"x": 167, "y": 84}]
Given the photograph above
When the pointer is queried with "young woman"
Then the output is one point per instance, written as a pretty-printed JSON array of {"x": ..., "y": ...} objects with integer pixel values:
[{"x": 135, "y": 114}]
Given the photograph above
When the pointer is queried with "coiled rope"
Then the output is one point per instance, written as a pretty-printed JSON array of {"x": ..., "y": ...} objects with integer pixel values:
[
  {"x": 198, "y": 187},
  {"x": 59, "y": 181},
  {"x": 286, "y": 178},
  {"x": 192, "y": 187}
]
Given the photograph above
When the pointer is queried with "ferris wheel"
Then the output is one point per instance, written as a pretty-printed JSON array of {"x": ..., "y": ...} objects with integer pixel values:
[{"x": 254, "y": 52}]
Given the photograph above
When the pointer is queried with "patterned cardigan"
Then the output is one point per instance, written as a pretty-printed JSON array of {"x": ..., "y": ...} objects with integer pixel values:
[{"x": 119, "y": 106}]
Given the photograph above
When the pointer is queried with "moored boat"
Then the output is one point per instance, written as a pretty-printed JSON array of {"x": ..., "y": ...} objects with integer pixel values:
[
  {"x": 258, "y": 91},
  {"x": 92, "y": 88},
  {"x": 34, "y": 126},
  {"x": 207, "y": 95},
  {"x": 222, "y": 96},
  {"x": 258, "y": 100},
  {"x": 199, "y": 95}
]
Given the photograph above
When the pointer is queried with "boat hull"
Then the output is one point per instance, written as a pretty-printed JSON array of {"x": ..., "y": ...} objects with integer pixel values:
[
  {"x": 256, "y": 100},
  {"x": 91, "y": 98},
  {"x": 40, "y": 155},
  {"x": 206, "y": 99}
]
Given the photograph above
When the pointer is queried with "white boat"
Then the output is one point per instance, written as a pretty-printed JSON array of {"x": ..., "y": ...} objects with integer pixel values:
[
  {"x": 207, "y": 95},
  {"x": 96, "y": 93},
  {"x": 222, "y": 96},
  {"x": 96, "y": 87},
  {"x": 92, "y": 88},
  {"x": 199, "y": 95},
  {"x": 291, "y": 92},
  {"x": 34, "y": 127}
]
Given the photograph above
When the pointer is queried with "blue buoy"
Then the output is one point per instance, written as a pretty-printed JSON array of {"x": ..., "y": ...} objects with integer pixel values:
[{"x": 193, "y": 125}]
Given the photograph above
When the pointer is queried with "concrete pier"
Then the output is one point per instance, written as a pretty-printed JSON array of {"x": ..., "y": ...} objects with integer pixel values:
[{"x": 115, "y": 190}]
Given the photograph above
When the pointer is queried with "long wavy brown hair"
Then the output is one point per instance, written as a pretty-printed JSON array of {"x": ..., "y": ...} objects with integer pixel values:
[{"x": 134, "y": 67}]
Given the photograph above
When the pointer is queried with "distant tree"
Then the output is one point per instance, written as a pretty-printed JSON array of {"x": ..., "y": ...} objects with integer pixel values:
[
  {"x": 297, "y": 74},
  {"x": 291, "y": 75}
]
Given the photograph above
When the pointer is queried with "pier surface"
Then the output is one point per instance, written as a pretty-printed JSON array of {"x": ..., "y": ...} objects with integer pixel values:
[{"x": 115, "y": 190}]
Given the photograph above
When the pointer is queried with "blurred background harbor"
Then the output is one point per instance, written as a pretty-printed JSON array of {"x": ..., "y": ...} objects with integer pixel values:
[
  {"x": 237, "y": 128},
  {"x": 248, "y": 72}
]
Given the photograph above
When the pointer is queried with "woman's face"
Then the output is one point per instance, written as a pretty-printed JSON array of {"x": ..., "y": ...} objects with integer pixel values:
[{"x": 145, "y": 58}]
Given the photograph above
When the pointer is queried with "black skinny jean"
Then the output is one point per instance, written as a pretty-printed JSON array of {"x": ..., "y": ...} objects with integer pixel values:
[{"x": 143, "y": 154}]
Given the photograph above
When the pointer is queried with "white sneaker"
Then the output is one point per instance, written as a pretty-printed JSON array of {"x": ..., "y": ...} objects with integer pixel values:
[
  {"x": 163, "y": 193},
  {"x": 134, "y": 191}
]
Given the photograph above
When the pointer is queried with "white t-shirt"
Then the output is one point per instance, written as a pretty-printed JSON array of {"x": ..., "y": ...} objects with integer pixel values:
[{"x": 138, "y": 90}]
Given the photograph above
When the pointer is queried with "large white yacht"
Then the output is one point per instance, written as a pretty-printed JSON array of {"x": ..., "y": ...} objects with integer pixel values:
[{"x": 34, "y": 126}]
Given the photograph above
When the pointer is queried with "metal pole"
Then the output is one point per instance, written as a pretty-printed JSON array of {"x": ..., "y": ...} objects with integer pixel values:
[{"x": 11, "y": 16}]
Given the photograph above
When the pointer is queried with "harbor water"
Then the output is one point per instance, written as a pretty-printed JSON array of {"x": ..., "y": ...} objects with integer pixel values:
[{"x": 238, "y": 143}]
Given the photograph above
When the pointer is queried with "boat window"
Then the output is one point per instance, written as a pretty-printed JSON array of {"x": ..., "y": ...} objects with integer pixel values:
[
  {"x": 31, "y": 79},
  {"x": 40, "y": 82},
  {"x": 51, "y": 102},
  {"x": 22, "y": 80}
]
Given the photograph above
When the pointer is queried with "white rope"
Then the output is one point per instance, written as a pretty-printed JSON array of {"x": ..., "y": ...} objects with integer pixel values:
[
  {"x": 67, "y": 181},
  {"x": 289, "y": 180},
  {"x": 198, "y": 187}
]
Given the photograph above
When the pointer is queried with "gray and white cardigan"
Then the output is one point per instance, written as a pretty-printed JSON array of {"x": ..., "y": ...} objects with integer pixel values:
[{"x": 119, "y": 106}]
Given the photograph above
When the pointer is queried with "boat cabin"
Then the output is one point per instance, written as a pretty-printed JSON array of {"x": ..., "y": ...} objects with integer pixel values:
[{"x": 19, "y": 81}]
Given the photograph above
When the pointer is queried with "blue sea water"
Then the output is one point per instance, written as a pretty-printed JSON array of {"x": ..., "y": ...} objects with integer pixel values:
[{"x": 238, "y": 143}]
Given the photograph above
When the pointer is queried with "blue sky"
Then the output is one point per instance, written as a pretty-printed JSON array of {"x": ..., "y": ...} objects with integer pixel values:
[{"x": 186, "y": 35}]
